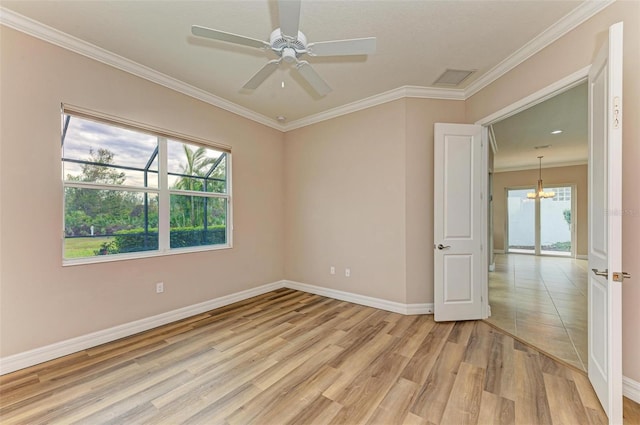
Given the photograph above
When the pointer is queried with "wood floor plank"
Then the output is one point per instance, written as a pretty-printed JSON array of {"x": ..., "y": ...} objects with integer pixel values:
[
  {"x": 395, "y": 406},
  {"x": 500, "y": 378},
  {"x": 496, "y": 410},
  {"x": 630, "y": 411},
  {"x": 288, "y": 357},
  {"x": 288, "y": 383},
  {"x": 463, "y": 406},
  {"x": 531, "y": 394},
  {"x": 564, "y": 401},
  {"x": 433, "y": 397},
  {"x": 425, "y": 357},
  {"x": 320, "y": 411}
]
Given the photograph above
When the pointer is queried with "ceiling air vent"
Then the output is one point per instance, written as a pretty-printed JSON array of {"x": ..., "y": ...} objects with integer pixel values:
[{"x": 452, "y": 77}]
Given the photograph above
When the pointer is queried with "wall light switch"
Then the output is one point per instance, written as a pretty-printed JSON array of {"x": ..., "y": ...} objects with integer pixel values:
[
  {"x": 159, "y": 287},
  {"x": 347, "y": 272},
  {"x": 332, "y": 270}
]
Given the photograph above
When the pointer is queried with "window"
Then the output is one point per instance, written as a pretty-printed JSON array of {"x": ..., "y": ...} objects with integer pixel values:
[
  {"x": 133, "y": 191},
  {"x": 562, "y": 194}
]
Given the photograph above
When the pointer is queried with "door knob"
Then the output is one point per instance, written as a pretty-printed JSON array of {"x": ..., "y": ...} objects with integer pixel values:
[{"x": 440, "y": 246}]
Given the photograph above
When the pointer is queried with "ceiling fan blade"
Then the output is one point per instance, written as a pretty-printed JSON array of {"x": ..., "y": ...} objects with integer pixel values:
[
  {"x": 228, "y": 37},
  {"x": 312, "y": 77},
  {"x": 355, "y": 46},
  {"x": 262, "y": 75},
  {"x": 289, "y": 11}
]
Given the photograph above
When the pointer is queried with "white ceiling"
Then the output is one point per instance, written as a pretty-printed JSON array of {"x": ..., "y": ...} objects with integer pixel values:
[
  {"x": 416, "y": 42},
  {"x": 518, "y": 136}
]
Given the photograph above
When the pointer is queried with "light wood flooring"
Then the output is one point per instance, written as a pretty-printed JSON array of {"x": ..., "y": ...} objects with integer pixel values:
[
  {"x": 289, "y": 357},
  {"x": 542, "y": 300}
]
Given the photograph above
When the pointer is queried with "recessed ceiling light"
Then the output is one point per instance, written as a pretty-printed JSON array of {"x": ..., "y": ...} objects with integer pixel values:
[
  {"x": 281, "y": 118},
  {"x": 556, "y": 132},
  {"x": 282, "y": 85}
]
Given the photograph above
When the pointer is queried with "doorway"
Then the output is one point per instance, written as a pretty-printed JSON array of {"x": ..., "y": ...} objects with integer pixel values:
[{"x": 538, "y": 279}]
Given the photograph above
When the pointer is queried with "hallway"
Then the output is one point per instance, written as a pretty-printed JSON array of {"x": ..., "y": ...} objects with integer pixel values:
[{"x": 543, "y": 301}]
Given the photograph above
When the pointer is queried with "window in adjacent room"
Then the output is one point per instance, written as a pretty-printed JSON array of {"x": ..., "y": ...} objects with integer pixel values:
[{"x": 134, "y": 191}]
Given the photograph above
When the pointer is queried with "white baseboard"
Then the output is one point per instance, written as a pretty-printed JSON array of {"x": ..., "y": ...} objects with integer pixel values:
[
  {"x": 492, "y": 267},
  {"x": 393, "y": 306},
  {"x": 582, "y": 257},
  {"x": 53, "y": 351},
  {"x": 631, "y": 389},
  {"x": 49, "y": 352}
]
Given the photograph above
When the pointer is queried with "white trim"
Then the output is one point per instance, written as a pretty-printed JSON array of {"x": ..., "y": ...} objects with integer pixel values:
[
  {"x": 69, "y": 346},
  {"x": 540, "y": 96},
  {"x": 51, "y": 35},
  {"x": 535, "y": 167},
  {"x": 570, "y": 21},
  {"x": 498, "y": 251},
  {"x": 582, "y": 257},
  {"x": 375, "y": 100},
  {"x": 631, "y": 389},
  {"x": 492, "y": 140},
  {"x": 380, "y": 303},
  {"x": 580, "y": 14},
  {"x": 49, "y": 352}
]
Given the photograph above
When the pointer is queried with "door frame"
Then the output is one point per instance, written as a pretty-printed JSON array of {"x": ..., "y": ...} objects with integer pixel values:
[{"x": 562, "y": 85}]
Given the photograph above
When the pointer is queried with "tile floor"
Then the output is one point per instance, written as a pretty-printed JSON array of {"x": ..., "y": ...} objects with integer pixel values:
[{"x": 542, "y": 300}]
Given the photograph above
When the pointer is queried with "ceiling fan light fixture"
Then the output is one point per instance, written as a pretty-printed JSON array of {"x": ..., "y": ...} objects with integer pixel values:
[
  {"x": 289, "y": 55},
  {"x": 289, "y": 44}
]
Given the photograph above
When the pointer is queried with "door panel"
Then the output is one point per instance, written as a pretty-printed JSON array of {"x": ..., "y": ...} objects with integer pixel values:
[
  {"x": 459, "y": 266},
  {"x": 605, "y": 225}
]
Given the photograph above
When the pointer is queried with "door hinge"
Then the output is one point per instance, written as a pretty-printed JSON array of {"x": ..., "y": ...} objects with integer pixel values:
[
  {"x": 620, "y": 276},
  {"x": 617, "y": 116}
]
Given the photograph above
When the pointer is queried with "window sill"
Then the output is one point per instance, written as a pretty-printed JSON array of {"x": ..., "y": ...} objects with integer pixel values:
[{"x": 140, "y": 255}]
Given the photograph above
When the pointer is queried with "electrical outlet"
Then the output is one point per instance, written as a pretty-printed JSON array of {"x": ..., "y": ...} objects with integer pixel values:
[
  {"x": 347, "y": 272},
  {"x": 332, "y": 270},
  {"x": 159, "y": 287}
]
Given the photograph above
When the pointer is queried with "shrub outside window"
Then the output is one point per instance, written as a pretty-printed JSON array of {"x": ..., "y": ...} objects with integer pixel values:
[{"x": 133, "y": 191}]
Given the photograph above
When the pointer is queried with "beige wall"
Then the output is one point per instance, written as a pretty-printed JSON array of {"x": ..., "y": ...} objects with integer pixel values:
[
  {"x": 421, "y": 115},
  {"x": 43, "y": 302},
  {"x": 568, "y": 54},
  {"x": 558, "y": 175},
  {"x": 359, "y": 194},
  {"x": 344, "y": 191}
]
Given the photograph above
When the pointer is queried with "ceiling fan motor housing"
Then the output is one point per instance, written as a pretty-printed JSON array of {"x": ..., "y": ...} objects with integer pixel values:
[{"x": 281, "y": 43}]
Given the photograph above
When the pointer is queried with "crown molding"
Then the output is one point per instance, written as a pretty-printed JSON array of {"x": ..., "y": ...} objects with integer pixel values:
[
  {"x": 378, "y": 99},
  {"x": 536, "y": 167},
  {"x": 74, "y": 44},
  {"x": 36, "y": 29},
  {"x": 570, "y": 21}
]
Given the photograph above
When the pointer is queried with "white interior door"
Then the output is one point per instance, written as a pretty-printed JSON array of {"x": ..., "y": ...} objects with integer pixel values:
[
  {"x": 605, "y": 248},
  {"x": 459, "y": 264}
]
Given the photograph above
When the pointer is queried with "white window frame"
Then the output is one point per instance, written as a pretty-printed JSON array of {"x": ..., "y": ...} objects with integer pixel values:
[{"x": 163, "y": 191}]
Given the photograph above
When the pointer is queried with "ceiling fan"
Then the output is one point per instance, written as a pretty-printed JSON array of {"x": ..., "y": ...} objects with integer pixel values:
[{"x": 289, "y": 43}]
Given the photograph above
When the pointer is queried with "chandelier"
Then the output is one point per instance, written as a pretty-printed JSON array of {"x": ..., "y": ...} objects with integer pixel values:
[{"x": 540, "y": 193}]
